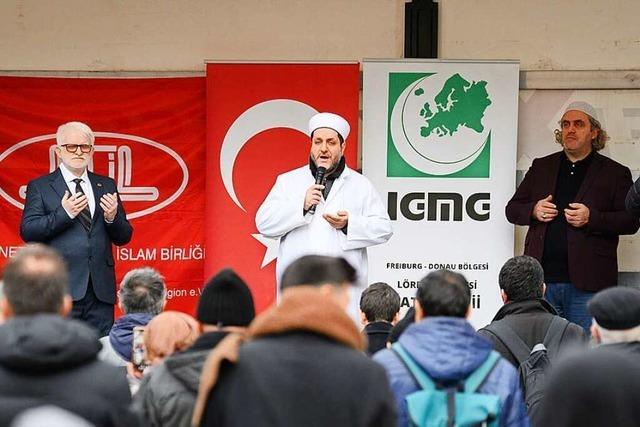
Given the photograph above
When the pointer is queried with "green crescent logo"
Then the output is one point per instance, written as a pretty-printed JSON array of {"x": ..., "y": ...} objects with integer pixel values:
[{"x": 436, "y": 126}]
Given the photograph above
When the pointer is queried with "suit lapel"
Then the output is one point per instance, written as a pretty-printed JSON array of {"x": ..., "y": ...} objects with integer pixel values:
[
  {"x": 98, "y": 191},
  {"x": 57, "y": 183},
  {"x": 592, "y": 173},
  {"x": 552, "y": 177}
]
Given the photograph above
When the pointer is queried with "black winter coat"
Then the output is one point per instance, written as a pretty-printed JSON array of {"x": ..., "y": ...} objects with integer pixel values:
[
  {"x": 45, "y": 359},
  {"x": 301, "y": 379},
  {"x": 530, "y": 320}
]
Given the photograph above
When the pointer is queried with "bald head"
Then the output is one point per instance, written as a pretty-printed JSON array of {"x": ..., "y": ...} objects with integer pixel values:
[{"x": 35, "y": 281}]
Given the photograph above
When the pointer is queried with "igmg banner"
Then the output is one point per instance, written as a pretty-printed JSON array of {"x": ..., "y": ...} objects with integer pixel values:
[
  {"x": 149, "y": 138},
  {"x": 257, "y": 116},
  {"x": 439, "y": 144}
]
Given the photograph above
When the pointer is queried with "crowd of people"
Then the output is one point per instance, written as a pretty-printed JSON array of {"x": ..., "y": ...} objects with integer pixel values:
[
  {"x": 561, "y": 351},
  {"x": 304, "y": 361}
]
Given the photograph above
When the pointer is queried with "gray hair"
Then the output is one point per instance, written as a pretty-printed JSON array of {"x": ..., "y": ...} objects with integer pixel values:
[
  {"x": 608, "y": 336},
  {"x": 142, "y": 291},
  {"x": 78, "y": 127}
]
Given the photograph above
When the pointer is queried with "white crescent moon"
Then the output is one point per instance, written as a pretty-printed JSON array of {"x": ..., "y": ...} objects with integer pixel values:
[{"x": 276, "y": 113}]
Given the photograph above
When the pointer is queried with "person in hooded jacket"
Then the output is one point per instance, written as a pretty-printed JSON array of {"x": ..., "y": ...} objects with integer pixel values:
[
  {"x": 46, "y": 358},
  {"x": 448, "y": 349},
  {"x": 168, "y": 394},
  {"x": 142, "y": 295}
]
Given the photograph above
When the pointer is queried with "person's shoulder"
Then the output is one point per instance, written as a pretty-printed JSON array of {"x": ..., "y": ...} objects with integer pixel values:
[
  {"x": 575, "y": 332},
  {"x": 609, "y": 163},
  {"x": 43, "y": 179},
  {"x": 384, "y": 356},
  {"x": 302, "y": 170},
  {"x": 548, "y": 158},
  {"x": 355, "y": 175},
  {"x": 504, "y": 371},
  {"x": 97, "y": 178}
]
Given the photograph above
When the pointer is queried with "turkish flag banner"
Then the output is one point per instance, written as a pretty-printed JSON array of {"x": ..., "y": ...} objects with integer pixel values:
[
  {"x": 257, "y": 119},
  {"x": 150, "y": 135}
]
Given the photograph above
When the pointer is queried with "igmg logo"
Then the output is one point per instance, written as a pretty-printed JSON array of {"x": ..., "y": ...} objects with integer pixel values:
[{"x": 149, "y": 176}]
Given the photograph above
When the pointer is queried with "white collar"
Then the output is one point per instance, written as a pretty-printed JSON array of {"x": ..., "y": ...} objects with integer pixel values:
[{"x": 69, "y": 176}]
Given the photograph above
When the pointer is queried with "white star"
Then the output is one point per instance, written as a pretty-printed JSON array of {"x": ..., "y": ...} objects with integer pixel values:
[{"x": 272, "y": 246}]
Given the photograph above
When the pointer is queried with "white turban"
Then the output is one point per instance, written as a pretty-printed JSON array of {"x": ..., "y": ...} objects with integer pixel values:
[{"x": 331, "y": 121}]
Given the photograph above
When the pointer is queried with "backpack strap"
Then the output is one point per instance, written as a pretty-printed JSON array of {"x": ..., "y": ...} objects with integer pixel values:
[
  {"x": 475, "y": 380},
  {"x": 416, "y": 371},
  {"x": 510, "y": 339},
  {"x": 554, "y": 335}
]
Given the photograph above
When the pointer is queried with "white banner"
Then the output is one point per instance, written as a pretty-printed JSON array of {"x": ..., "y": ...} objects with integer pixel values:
[{"x": 439, "y": 144}]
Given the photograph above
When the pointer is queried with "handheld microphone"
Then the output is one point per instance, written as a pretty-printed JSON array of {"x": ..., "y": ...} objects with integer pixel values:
[{"x": 319, "y": 180}]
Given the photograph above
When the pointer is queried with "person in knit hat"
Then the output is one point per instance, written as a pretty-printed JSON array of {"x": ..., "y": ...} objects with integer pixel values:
[
  {"x": 616, "y": 319},
  {"x": 167, "y": 394}
]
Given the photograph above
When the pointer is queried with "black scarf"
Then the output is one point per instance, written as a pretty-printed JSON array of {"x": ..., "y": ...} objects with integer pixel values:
[{"x": 333, "y": 175}]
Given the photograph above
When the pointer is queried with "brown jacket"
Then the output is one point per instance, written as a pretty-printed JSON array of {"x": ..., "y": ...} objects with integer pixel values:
[
  {"x": 593, "y": 262},
  {"x": 302, "y": 308}
]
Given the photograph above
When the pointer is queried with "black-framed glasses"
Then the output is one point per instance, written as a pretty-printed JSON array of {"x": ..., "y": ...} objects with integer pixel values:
[{"x": 72, "y": 148}]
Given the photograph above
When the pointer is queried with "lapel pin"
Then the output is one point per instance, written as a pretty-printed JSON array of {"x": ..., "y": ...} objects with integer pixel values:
[{"x": 99, "y": 184}]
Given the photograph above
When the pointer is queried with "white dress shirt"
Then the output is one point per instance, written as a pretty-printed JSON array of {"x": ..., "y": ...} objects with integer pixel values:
[{"x": 85, "y": 185}]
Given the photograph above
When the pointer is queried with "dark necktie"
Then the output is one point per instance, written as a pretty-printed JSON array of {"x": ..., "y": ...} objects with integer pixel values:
[{"x": 85, "y": 215}]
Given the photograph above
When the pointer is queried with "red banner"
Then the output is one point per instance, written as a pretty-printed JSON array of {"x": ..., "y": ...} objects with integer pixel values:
[
  {"x": 149, "y": 138},
  {"x": 257, "y": 116}
]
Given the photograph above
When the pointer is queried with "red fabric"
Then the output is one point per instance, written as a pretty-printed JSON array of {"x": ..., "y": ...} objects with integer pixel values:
[
  {"x": 169, "y": 112},
  {"x": 231, "y": 90}
]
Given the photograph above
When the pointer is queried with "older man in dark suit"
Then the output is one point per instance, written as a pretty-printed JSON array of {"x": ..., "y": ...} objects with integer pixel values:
[
  {"x": 574, "y": 204},
  {"x": 80, "y": 214}
]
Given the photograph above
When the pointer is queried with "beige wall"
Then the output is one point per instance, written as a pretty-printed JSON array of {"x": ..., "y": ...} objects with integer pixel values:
[
  {"x": 543, "y": 34},
  {"x": 166, "y": 35}
]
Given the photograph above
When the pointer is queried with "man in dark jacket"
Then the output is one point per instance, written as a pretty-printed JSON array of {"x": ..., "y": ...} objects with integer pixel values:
[
  {"x": 168, "y": 393},
  {"x": 46, "y": 358},
  {"x": 598, "y": 388},
  {"x": 302, "y": 363},
  {"x": 80, "y": 214},
  {"x": 574, "y": 204},
  {"x": 379, "y": 310},
  {"x": 525, "y": 311},
  {"x": 447, "y": 348}
]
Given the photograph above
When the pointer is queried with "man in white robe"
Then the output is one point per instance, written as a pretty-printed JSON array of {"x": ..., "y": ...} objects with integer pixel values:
[{"x": 349, "y": 214}]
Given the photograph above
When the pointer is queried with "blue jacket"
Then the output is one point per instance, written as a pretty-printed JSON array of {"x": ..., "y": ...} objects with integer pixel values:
[{"x": 448, "y": 349}]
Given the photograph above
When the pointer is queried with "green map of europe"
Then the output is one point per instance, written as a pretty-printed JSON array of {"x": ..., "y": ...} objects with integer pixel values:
[{"x": 459, "y": 103}]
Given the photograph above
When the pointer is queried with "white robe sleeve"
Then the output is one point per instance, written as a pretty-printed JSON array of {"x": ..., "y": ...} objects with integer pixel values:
[
  {"x": 371, "y": 227},
  {"x": 281, "y": 211}
]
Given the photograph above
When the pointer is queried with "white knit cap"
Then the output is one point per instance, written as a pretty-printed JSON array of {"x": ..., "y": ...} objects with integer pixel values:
[
  {"x": 584, "y": 107},
  {"x": 331, "y": 121}
]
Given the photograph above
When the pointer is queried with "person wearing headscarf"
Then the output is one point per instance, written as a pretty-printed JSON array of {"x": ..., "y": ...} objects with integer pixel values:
[{"x": 168, "y": 394}]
